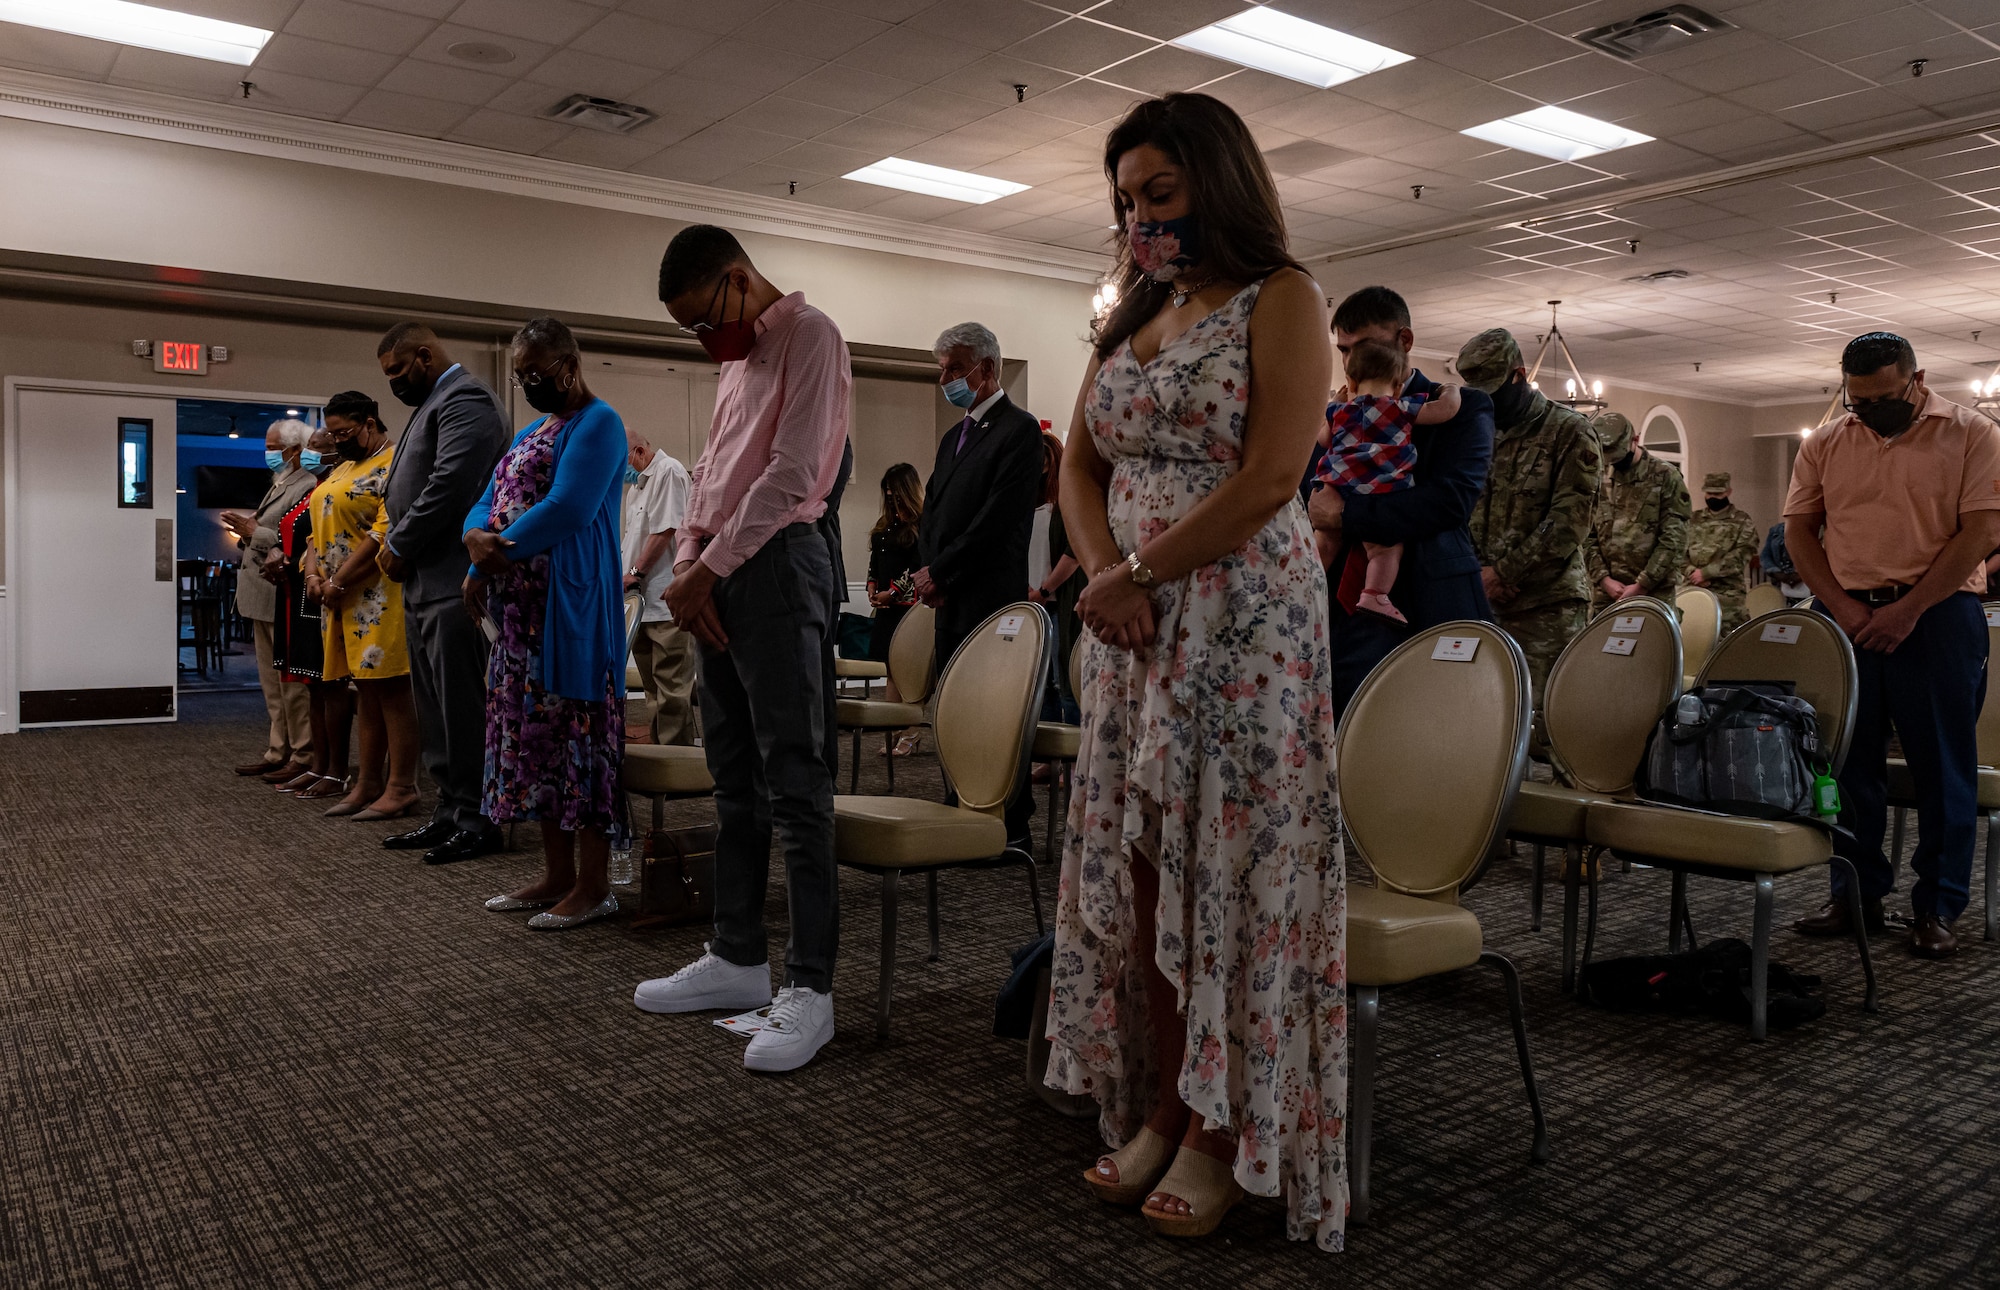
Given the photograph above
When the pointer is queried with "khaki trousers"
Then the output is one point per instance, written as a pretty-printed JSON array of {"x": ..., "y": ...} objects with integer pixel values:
[
  {"x": 291, "y": 720},
  {"x": 665, "y": 656}
]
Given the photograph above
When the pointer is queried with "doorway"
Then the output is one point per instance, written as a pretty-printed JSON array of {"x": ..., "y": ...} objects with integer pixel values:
[{"x": 90, "y": 624}]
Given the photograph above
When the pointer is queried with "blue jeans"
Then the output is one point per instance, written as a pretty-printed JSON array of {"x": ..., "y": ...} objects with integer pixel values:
[
  {"x": 766, "y": 717},
  {"x": 1931, "y": 690}
]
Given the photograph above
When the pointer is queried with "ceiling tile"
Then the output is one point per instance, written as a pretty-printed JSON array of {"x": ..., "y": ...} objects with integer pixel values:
[
  {"x": 986, "y": 24},
  {"x": 1079, "y": 45},
  {"x": 1510, "y": 51},
  {"x": 819, "y": 159},
  {"x": 578, "y": 73},
  {"x": 847, "y": 88},
  {"x": 508, "y": 131},
  {"x": 790, "y": 117},
  {"x": 436, "y": 48},
  {"x": 1165, "y": 70},
  {"x": 939, "y": 109},
  {"x": 437, "y": 81},
  {"x": 702, "y": 15},
  {"x": 407, "y": 114},
  {"x": 1421, "y": 29},
  {"x": 881, "y": 10},
  {"x": 994, "y": 76},
  {"x": 1086, "y": 102},
  {"x": 632, "y": 39},
  {"x": 550, "y": 21},
  {"x": 65, "y": 55},
  {"x": 283, "y": 92},
  {"x": 175, "y": 74},
  {"x": 709, "y": 154},
  {"x": 1165, "y": 19},
  {"x": 904, "y": 51},
  {"x": 362, "y": 26},
  {"x": 302, "y": 56},
  {"x": 812, "y": 30}
]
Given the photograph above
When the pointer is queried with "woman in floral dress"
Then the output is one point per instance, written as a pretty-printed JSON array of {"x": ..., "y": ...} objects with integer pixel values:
[
  {"x": 544, "y": 546},
  {"x": 1198, "y": 985},
  {"x": 362, "y": 612}
]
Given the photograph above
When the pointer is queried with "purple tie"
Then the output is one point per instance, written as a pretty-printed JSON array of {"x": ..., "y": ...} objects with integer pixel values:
[{"x": 964, "y": 429}]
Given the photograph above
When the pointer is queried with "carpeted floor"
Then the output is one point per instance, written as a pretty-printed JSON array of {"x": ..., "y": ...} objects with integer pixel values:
[{"x": 245, "y": 1046}]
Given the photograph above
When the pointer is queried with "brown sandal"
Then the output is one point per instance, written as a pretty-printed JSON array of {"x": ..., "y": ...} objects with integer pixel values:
[
  {"x": 1207, "y": 1185},
  {"x": 1139, "y": 1164}
]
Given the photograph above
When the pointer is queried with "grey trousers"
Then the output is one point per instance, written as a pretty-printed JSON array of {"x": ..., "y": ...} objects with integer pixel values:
[
  {"x": 448, "y": 669},
  {"x": 765, "y": 727}
]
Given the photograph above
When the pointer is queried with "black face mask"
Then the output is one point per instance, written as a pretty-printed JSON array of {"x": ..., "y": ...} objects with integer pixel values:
[
  {"x": 411, "y": 391},
  {"x": 1886, "y": 417},
  {"x": 547, "y": 396},
  {"x": 1718, "y": 503},
  {"x": 1625, "y": 462},
  {"x": 1510, "y": 402},
  {"x": 349, "y": 449}
]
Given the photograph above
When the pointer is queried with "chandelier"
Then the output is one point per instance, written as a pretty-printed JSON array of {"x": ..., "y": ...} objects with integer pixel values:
[{"x": 1587, "y": 397}]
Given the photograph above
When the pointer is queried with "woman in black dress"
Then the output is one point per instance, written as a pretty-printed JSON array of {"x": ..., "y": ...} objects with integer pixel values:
[{"x": 893, "y": 556}]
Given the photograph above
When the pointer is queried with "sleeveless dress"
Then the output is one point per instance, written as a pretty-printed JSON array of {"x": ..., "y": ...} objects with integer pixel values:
[{"x": 1211, "y": 755}]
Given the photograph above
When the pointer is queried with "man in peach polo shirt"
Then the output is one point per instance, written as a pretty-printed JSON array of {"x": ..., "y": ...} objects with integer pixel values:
[
  {"x": 1906, "y": 487},
  {"x": 754, "y": 582}
]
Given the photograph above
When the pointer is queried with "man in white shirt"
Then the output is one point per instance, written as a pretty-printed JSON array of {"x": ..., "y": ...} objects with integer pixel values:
[{"x": 656, "y": 501}]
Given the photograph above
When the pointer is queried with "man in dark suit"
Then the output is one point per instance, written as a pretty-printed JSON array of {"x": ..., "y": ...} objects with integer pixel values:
[
  {"x": 979, "y": 508},
  {"x": 1439, "y": 580},
  {"x": 443, "y": 462}
]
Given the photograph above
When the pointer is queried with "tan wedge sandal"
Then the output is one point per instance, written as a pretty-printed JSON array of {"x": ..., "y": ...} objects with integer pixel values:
[
  {"x": 1206, "y": 1184},
  {"x": 1139, "y": 1164}
]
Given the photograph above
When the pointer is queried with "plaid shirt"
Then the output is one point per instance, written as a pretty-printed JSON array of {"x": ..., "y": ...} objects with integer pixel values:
[{"x": 1368, "y": 444}]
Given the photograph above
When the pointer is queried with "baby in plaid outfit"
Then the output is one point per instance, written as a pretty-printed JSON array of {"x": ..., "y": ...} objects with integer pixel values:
[{"x": 1369, "y": 448}]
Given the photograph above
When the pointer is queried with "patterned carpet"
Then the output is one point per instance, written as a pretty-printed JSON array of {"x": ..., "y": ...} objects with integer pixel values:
[{"x": 245, "y": 1046}]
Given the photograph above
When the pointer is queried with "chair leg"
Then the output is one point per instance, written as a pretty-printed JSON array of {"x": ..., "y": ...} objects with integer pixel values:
[
  {"x": 1572, "y": 875},
  {"x": 889, "y": 878},
  {"x": 930, "y": 881},
  {"x": 854, "y": 772},
  {"x": 1539, "y": 1153},
  {"x": 1590, "y": 925},
  {"x": 1535, "y": 892},
  {"x": 1677, "y": 912},
  {"x": 1760, "y": 958},
  {"x": 1992, "y": 875},
  {"x": 1361, "y": 1098},
  {"x": 1861, "y": 933},
  {"x": 1034, "y": 892}
]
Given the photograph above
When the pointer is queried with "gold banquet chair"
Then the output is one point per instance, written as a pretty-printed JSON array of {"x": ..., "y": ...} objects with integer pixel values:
[
  {"x": 1058, "y": 742},
  {"x": 1903, "y": 789},
  {"x": 910, "y": 667},
  {"x": 1409, "y": 925},
  {"x": 1764, "y": 598},
  {"x": 658, "y": 771},
  {"x": 987, "y": 702},
  {"x": 1606, "y": 692},
  {"x": 1805, "y": 649},
  {"x": 1701, "y": 628}
]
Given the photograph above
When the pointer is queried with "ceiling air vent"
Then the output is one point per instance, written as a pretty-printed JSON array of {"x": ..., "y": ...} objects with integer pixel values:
[
  {"x": 1660, "y": 275},
  {"x": 1655, "y": 32},
  {"x": 599, "y": 114}
]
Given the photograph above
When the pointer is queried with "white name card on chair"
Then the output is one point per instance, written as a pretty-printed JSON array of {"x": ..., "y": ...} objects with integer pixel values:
[
  {"x": 1456, "y": 649},
  {"x": 1011, "y": 625},
  {"x": 1630, "y": 624},
  {"x": 1780, "y": 633},
  {"x": 1620, "y": 644},
  {"x": 1993, "y": 618}
]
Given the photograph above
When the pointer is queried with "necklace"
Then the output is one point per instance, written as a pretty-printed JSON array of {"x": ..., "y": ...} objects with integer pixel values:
[{"x": 1183, "y": 293}]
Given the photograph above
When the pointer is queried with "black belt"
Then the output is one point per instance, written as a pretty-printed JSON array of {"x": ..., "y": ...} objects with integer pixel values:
[{"x": 1881, "y": 595}]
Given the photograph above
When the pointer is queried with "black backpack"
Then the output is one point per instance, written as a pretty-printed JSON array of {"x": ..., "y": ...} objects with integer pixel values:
[
  {"x": 1712, "y": 981},
  {"x": 1743, "y": 748}
]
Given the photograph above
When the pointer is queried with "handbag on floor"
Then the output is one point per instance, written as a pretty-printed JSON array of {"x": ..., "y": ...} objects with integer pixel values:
[
  {"x": 1713, "y": 981},
  {"x": 677, "y": 879}
]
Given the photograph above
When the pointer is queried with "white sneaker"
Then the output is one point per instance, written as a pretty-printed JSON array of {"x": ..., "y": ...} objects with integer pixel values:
[
  {"x": 707, "y": 983},
  {"x": 801, "y": 1023}
]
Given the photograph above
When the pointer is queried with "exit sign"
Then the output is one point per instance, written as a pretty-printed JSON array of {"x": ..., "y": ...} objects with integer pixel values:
[{"x": 183, "y": 356}]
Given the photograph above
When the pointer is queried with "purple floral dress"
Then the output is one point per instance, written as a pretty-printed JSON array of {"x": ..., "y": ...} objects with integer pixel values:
[
  {"x": 547, "y": 757},
  {"x": 1210, "y": 756}
]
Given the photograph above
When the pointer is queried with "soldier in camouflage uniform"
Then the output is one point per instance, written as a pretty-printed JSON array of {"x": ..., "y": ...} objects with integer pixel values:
[
  {"x": 1638, "y": 537},
  {"x": 1722, "y": 541},
  {"x": 1528, "y": 527}
]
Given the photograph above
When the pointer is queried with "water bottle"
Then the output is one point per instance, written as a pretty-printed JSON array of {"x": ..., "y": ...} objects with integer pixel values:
[{"x": 619, "y": 870}]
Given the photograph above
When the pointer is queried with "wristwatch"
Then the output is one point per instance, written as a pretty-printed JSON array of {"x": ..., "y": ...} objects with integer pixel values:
[
  {"x": 636, "y": 572},
  {"x": 1142, "y": 577}
]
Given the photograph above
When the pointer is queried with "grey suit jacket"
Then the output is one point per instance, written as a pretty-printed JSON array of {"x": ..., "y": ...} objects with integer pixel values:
[
  {"x": 257, "y": 599},
  {"x": 442, "y": 464}
]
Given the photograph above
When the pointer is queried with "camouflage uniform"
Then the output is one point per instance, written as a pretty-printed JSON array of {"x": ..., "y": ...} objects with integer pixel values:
[
  {"x": 1639, "y": 532},
  {"x": 1529, "y": 524},
  {"x": 1721, "y": 544}
]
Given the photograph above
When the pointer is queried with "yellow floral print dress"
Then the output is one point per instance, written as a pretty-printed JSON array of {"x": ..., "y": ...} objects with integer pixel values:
[{"x": 364, "y": 637}]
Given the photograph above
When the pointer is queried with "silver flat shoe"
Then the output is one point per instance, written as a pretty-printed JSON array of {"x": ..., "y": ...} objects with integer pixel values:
[
  {"x": 509, "y": 904},
  {"x": 563, "y": 922}
]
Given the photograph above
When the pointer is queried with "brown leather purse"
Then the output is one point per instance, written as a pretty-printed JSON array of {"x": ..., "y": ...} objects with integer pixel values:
[{"x": 677, "y": 878}]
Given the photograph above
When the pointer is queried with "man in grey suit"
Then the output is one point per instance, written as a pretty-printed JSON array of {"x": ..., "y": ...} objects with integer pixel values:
[{"x": 443, "y": 462}]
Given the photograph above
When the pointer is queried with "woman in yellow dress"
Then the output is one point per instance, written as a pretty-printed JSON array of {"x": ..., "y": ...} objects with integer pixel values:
[{"x": 362, "y": 612}]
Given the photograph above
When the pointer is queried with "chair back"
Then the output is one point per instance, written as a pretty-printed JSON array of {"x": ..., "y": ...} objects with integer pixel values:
[
  {"x": 988, "y": 702},
  {"x": 1764, "y": 598},
  {"x": 1989, "y": 712},
  {"x": 912, "y": 653},
  {"x": 1431, "y": 753},
  {"x": 635, "y": 610},
  {"x": 1701, "y": 625},
  {"x": 1810, "y": 652},
  {"x": 1607, "y": 690}
]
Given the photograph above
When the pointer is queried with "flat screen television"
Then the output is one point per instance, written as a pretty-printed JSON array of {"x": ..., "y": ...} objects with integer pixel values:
[{"x": 235, "y": 487}]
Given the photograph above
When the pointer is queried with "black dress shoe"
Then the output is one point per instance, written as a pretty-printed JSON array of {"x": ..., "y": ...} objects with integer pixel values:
[
  {"x": 421, "y": 839},
  {"x": 466, "y": 844},
  {"x": 1832, "y": 920}
]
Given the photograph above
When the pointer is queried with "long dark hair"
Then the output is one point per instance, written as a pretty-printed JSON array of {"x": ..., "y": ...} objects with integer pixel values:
[
  {"x": 902, "y": 502},
  {"x": 1230, "y": 193}
]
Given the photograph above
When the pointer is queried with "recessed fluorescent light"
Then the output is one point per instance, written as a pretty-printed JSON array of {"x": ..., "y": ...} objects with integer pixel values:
[
  {"x": 143, "y": 25},
  {"x": 1558, "y": 133},
  {"x": 1291, "y": 47},
  {"x": 935, "y": 181}
]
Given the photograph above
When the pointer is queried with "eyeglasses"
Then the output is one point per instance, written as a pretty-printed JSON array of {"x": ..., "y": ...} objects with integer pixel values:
[
  {"x": 530, "y": 381},
  {"x": 1856, "y": 405}
]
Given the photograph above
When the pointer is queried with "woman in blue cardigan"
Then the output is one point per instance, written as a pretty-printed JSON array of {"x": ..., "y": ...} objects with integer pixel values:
[{"x": 544, "y": 546}]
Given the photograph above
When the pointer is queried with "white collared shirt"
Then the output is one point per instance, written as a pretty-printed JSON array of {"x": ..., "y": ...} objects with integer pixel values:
[{"x": 658, "y": 502}]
